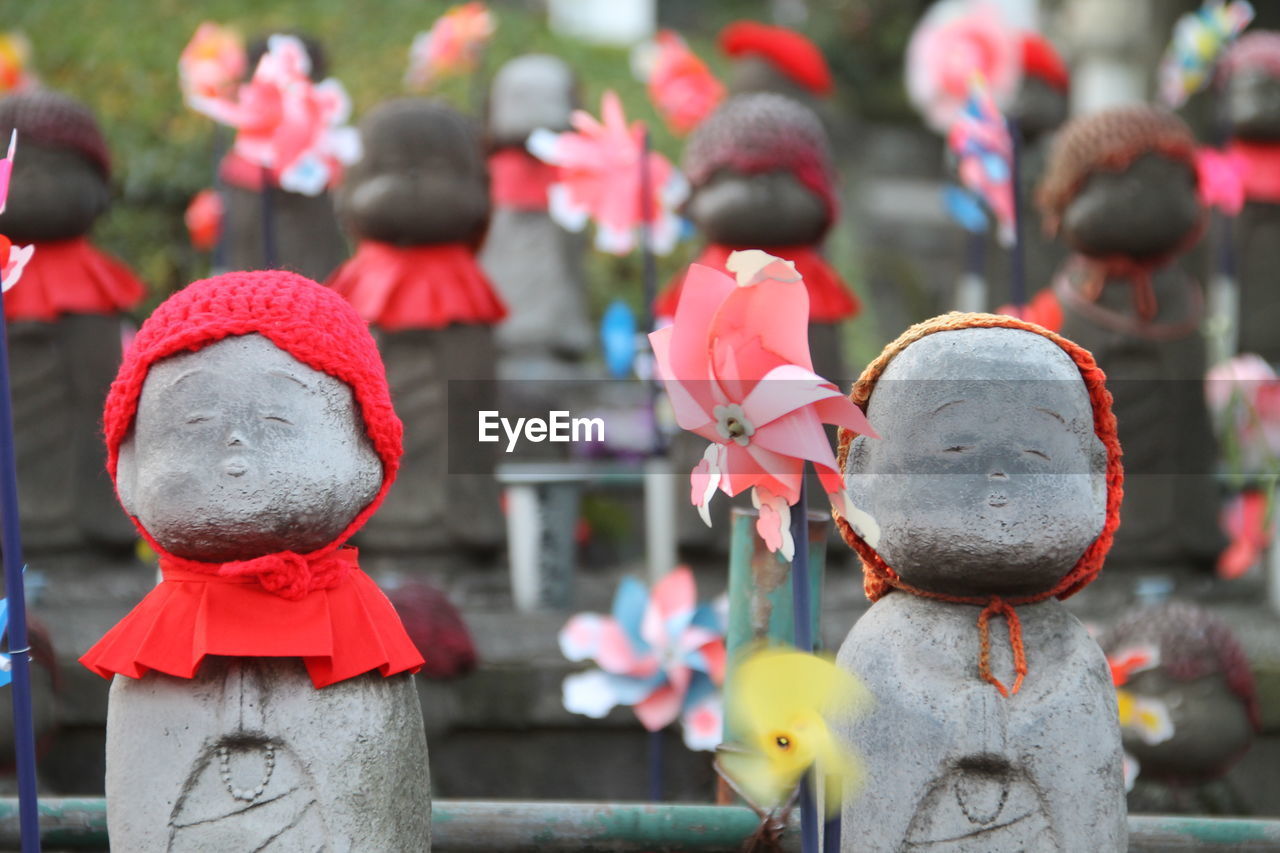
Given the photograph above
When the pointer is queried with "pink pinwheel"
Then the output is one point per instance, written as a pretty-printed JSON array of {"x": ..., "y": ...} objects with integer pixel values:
[
  {"x": 979, "y": 140},
  {"x": 663, "y": 655},
  {"x": 212, "y": 63},
  {"x": 452, "y": 46},
  {"x": 1222, "y": 175},
  {"x": 1243, "y": 394},
  {"x": 953, "y": 41},
  {"x": 13, "y": 259},
  {"x": 287, "y": 125},
  {"x": 680, "y": 85},
  {"x": 737, "y": 368},
  {"x": 599, "y": 178}
]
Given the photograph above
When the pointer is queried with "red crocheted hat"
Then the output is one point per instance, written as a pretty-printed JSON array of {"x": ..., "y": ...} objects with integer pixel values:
[
  {"x": 1041, "y": 58},
  {"x": 787, "y": 50},
  {"x": 310, "y": 322},
  {"x": 878, "y": 577}
]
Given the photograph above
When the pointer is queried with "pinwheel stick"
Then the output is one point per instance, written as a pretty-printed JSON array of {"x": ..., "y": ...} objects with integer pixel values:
[
  {"x": 655, "y": 766},
  {"x": 11, "y": 541},
  {"x": 268, "y": 223},
  {"x": 1017, "y": 265}
]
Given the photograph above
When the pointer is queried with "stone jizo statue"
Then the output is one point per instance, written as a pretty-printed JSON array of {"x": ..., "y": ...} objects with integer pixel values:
[
  {"x": 535, "y": 264},
  {"x": 262, "y": 694},
  {"x": 993, "y": 493},
  {"x": 1121, "y": 190},
  {"x": 418, "y": 201}
]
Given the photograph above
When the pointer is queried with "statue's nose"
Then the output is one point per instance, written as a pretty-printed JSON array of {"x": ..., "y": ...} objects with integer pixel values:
[
  {"x": 997, "y": 475},
  {"x": 235, "y": 438}
]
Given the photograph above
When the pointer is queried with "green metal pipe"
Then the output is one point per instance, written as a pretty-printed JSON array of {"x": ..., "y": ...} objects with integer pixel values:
[{"x": 462, "y": 826}]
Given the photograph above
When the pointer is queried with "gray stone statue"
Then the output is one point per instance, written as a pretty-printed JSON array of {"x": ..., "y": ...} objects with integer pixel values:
[
  {"x": 1121, "y": 190},
  {"x": 262, "y": 696},
  {"x": 303, "y": 233},
  {"x": 1191, "y": 663},
  {"x": 1250, "y": 74},
  {"x": 762, "y": 177},
  {"x": 66, "y": 319},
  {"x": 992, "y": 494},
  {"x": 418, "y": 200},
  {"x": 535, "y": 264}
]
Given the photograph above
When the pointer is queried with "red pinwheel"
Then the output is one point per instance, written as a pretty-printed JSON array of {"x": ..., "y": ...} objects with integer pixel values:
[
  {"x": 680, "y": 85},
  {"x": 953, "y": 41}
]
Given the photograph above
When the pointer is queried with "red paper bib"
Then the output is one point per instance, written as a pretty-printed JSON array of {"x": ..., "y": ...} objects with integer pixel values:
[
  {"x": 1262, "y": 177},
  {"x": 71, "y": 277},
  {"x": 830, "y": 299},
  {"x": 418, "y": 287},
  {"x": 340, "y": 632},
  {"x": 519, "y": 180}
]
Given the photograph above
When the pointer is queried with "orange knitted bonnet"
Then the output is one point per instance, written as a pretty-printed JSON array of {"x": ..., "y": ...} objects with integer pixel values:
[{"x": 879, "y": 578}]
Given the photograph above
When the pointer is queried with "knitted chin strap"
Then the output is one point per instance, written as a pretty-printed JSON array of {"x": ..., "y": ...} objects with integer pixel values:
[
  {"x": 879, "y": 579},
  {"x": 288, "y": 574}
]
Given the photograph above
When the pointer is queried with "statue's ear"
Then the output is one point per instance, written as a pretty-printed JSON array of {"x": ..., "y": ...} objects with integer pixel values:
[
  {"x": 856, "y": 481},
  {"x": 1098, "y": 482},
  {"x": 127, "y": 474}
]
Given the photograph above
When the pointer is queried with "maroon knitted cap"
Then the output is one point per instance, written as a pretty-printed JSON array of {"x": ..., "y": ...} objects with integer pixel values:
[
  {"x": 52, "y": 118},
  {"x": 763, "y": 132},
  {"x": 1108, "y": 141},
  {"x": 1193, "y": 644},
  {"x": 310, "y": 322},
  {"x": 1258, "y": 50}
]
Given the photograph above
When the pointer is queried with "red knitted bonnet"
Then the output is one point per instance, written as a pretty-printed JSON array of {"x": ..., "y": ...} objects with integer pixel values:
[
  {"x": 879, "y": 578},
  {"x": 787, "y": 50},
  {"x": 310, "y": 322}
]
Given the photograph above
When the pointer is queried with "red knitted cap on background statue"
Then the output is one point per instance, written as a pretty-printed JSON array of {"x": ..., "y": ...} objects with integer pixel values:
[
  {"x": 786, "y": 50},
  {"x": 1041, "y": 59},
  {"x": 316, "y": 605}
]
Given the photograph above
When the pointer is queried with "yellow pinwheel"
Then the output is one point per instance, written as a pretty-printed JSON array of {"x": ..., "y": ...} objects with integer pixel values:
[{"x": 778, "y": 705}]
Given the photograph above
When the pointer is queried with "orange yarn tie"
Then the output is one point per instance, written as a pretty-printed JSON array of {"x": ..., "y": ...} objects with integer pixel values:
[{"x": 998, "y": 605}]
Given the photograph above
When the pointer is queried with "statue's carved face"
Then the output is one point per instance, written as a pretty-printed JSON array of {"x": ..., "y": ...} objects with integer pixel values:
[
  {"x": 989, "y": 478},
  {"x": 56, "y": 193},
  {"x": 765, "y": 209},
  {"x": 1146, "y": 209},
  {"x": 239, "y": 450},
  {"x": 530, "y": 92},
  {"x": 1038, "y": 108},
  {"x": 1253, "y": 105}
]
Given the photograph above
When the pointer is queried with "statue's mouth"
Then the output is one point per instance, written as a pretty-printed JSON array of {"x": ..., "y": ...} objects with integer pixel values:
[
  {"x": 235, "y": 468},
  {"x": 997, "y": 499}
]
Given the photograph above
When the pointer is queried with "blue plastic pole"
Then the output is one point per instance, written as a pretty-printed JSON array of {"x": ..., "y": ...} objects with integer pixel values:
[
  {"x": 11, "y": 540},
  {"x": 804, "y": 642}
]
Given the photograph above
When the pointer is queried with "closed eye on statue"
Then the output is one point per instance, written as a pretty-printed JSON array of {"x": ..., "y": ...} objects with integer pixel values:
[
  {"x": 1040, "y": 453},
  {"x": 197, "y": 419},
  {"x": 958, "y": 448},
  {"x": 278, "y": 419}
]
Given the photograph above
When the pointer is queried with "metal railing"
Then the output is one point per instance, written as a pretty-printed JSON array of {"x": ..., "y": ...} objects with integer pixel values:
[{"x": 463, "y": 826}]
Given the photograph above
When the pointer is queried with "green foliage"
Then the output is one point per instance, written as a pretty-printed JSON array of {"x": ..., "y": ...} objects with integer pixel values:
[{"x": 121, "y": 59}]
